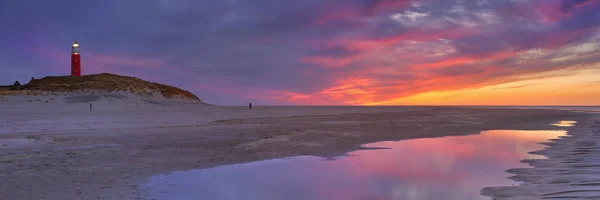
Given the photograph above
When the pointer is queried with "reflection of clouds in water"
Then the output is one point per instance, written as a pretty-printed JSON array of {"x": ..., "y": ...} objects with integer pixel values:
[
  {"x": 467, "y": 189},
  {"x": 449, "y": 168},
  {"x": 521, "y": 150},
  {"x": 414, "y": 193},
  {"x": 404, "y": 192},
  {"x": 398, "y": 192},
  {"x": 443, "y": 161}
]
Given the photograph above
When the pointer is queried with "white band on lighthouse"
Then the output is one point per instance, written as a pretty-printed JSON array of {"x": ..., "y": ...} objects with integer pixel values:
[{"x": 75, "y": 47}]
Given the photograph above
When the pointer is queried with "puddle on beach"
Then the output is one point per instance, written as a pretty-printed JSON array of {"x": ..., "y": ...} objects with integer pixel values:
[
  {"x": 565, "y": 123},
  {"x": 450, "y": 168}
]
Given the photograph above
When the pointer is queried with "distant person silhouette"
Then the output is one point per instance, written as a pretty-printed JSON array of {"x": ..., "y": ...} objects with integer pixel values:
[{"x": 250, "y": 106}]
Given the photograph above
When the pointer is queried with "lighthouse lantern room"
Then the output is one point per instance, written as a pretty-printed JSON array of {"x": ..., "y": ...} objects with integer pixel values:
[{"x": 75, "y": 60}]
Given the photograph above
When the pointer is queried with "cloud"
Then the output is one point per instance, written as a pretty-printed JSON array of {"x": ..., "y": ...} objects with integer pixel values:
[{"x": 568, "y": 5}]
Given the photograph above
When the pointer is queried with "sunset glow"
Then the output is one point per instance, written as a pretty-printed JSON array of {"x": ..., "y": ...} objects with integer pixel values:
[{"x": 336, "y": 52}]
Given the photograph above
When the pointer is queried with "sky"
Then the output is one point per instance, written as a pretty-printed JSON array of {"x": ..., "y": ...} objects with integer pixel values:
[{"x": 320, "y": 52}]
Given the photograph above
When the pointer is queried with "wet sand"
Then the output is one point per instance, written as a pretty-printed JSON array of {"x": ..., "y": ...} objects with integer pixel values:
[
  {"x": 572, "y": 170},
  {"x": 109, "y": 154}
]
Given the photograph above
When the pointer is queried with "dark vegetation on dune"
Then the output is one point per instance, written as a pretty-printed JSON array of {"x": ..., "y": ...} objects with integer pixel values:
[{"x": 105, "y": 82}]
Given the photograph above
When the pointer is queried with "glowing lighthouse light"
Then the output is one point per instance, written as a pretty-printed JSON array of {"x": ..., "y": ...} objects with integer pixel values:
[{"x": 75, "y": 60}]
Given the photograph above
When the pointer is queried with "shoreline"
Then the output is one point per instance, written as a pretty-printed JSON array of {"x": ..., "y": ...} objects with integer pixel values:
[
  {"x": 570, "y": 170},
  {"x": 114, "y": 163}
]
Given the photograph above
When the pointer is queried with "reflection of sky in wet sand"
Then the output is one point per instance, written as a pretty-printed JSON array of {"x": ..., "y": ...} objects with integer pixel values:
[{"x": 434, "y": 168}]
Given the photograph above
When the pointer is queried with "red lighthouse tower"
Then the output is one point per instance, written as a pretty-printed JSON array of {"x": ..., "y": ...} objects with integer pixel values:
[{"x": 75, "y": 60}]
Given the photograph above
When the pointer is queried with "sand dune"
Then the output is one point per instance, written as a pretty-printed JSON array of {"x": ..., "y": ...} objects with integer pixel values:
[{"x": 94, "y": 97}]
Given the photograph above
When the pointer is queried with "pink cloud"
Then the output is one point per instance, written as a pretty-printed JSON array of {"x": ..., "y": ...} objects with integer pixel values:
[
  {"x": 366, "y": 45},
  {"x": 555, "y": 10},
  {"x": 345, "y": 14},
  {"x": 353, "y": 14}
]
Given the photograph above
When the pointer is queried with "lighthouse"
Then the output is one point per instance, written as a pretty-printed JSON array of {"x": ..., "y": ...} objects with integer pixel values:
[{"x": 75, "y": 60}]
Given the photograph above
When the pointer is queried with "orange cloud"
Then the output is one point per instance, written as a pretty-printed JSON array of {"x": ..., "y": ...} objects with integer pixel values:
[
  {"x": 352, "y": 90},
  {"x": 467, "y": 89},
  {"x": 550, "y": 90}
]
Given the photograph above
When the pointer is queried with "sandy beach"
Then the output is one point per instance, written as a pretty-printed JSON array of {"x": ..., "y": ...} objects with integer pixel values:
[{"x": 69, "y": 152}]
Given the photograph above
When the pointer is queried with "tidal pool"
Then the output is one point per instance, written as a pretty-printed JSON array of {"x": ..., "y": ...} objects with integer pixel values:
[
  {"x": 450, "y": 168},
  {"x": 565, "y": 123}
]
